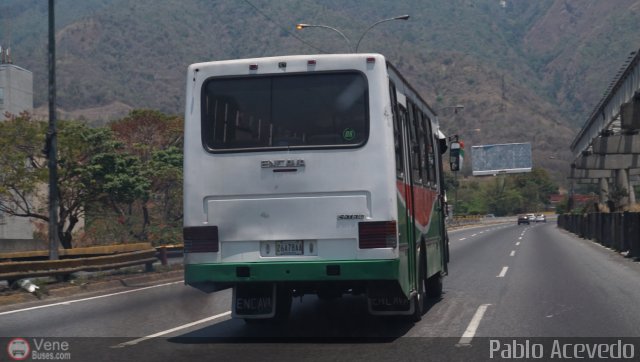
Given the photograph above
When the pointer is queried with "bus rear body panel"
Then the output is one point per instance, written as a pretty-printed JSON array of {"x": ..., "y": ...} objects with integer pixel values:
[{"x": 290, "y": 177}]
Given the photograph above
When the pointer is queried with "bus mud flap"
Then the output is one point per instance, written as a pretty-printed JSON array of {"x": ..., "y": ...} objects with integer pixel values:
[
  {"x": 254, "y": 300},
  {"x": 387, "y": 298}
]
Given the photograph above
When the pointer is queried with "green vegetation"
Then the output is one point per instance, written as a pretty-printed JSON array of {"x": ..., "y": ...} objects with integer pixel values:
[
  {"x": 124, "y": 181},
  {"x": 503, "y": 194},
  {"x": 526, "y": 72}
]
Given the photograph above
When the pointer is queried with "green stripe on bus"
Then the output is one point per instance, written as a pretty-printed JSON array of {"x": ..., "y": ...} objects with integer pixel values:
[{"x": 293, "y": 271}]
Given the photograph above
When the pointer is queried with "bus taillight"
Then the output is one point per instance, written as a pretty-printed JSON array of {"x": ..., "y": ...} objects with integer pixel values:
[
  {"x": 201, "y": 239},
  {"x": 377, "y": 234}
]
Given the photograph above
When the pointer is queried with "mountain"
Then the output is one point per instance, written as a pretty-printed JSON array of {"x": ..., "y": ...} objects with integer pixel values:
[{"x": 526, "y": 71}]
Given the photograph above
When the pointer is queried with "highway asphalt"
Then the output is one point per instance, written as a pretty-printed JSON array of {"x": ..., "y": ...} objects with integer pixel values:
[{"x": 506, "y": 284}]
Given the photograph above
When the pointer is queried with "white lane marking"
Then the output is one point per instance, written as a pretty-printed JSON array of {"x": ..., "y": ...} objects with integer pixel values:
[
  {"x": 470, "y": 332},
  {"x": 520, "y": 238},
  {"x": 87, "y": 299},
  {"x": 474, "y": 234},
  {"x": 518, "y": 243},
  {"x": 462, "y": 239},
  {"x": 136, "y": 341},
  {"x": 513, "y": 253},
  {"x": 503, "y": 272}
]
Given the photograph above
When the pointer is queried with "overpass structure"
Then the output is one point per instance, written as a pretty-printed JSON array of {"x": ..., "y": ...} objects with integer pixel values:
[{"x": 607, "y": 148}]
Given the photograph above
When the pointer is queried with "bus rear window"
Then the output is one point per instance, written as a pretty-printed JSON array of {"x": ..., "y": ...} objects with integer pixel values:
[{"x": 285, "y": 111}]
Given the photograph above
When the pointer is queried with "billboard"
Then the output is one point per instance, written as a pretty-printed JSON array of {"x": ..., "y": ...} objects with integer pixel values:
[{"x": 502, "y": 158}]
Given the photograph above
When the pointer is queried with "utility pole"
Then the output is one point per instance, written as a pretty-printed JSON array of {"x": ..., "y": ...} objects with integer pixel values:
[{"x": 51, "y": 147}]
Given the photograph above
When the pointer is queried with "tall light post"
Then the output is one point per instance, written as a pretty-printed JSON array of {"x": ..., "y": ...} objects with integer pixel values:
[
  {"x": 302, "y": 26},
  {"x": 401, "y": 17},
  {"x": 51, "y": 147}
]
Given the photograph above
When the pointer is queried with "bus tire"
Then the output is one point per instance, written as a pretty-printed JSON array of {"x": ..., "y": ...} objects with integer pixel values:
[
  {"x": 284, "y": 299},
  {"x": 419, "y": 297},
  {"x": 434, "y": 286}
]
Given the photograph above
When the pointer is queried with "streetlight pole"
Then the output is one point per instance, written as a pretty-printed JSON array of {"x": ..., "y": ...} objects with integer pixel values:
[
  {"x": 302, "y": 26},
  {"x": 52, "y": 140},
  {"x": 401, "y": 17}
]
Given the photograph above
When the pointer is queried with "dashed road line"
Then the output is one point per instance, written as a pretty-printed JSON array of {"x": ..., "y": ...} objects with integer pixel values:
[
  {"x": 503, "y": 272},
  {"x": 472, "y": 328},
  {"x": 513, "y": 253},
  {"x": 136, "y": 341}
]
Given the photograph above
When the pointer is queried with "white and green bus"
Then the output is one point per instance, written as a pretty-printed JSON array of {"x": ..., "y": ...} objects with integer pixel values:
[{"x": 312, "y": 174}]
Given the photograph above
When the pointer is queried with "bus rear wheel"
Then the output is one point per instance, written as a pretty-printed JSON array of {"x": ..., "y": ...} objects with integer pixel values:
[
  {"x": 284, "y": 299},
  {"x": 420, "y": 295},
  {"x": 434, "y": 286}
]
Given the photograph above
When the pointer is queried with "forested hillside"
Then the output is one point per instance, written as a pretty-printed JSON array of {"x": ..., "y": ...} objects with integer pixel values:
[{"x": 526, "y": 71}]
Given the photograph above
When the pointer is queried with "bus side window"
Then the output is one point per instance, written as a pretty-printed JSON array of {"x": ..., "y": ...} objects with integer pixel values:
[
  {"x": 397, "y": 135},
  {"x": 425, "y": 141},
  {"x": 431, "y": 161},
  {"x": 422, "y": 132},
  {"x": 414, "y": 143}
]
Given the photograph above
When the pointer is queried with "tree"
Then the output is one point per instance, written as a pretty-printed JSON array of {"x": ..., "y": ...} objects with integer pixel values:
[
  {"x": 505, "y": 194},
  {"x": 91, "y": 168},
  {"x": 536, "y": 187},
  {"x": 145, "y": 131},
  {"x": 165, "y": 171},
  {"x": 135, "y": 164},
  {"x": 22, "y": 167},
  {"x": 119, "y": 182},
  {"x": 156, "y": 139}
]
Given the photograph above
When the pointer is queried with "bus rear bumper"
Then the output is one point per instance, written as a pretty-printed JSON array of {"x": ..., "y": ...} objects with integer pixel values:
[{"x": 228, "y": 274}]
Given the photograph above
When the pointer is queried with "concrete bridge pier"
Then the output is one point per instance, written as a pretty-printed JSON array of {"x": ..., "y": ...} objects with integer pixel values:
[
  {"x": 604, "y": 190},
  {"x": 622, "y": 182}
]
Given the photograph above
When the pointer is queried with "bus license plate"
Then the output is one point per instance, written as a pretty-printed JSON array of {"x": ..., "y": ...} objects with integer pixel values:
[{"x": 289, "y": 247}]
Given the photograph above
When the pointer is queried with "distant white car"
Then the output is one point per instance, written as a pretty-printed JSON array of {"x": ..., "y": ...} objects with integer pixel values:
[
  {"x": 541, "y": 218},
  {"x": 531, "y": 217}
]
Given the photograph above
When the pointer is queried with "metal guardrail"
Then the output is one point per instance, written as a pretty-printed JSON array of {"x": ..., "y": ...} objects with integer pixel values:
[
  {"x": 619, "y": 231},
  {"x": 76, "y": 252},
  {"x": 165, "y": 251},
  {"x": 22, "y": 265}
]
